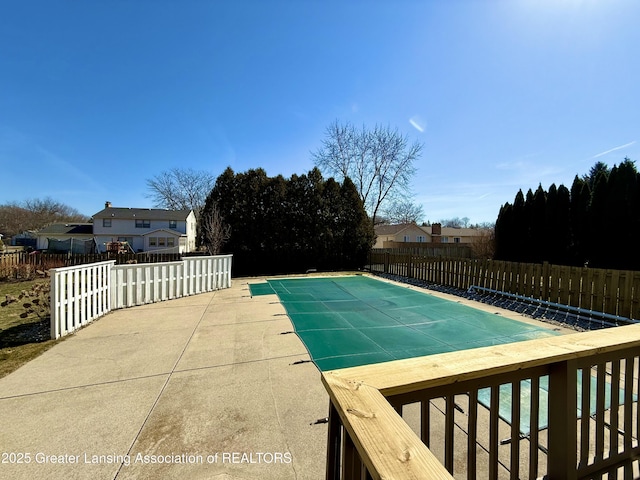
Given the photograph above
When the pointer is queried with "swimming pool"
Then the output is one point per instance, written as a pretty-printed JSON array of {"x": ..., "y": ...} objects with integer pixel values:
[{"x": 357, "y": 320}]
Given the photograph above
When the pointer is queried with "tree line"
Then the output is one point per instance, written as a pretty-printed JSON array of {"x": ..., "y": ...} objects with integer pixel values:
[
  {"x": 593, "y": 223},
  {"x": 35, "y": 213},
  {"x": 284, "y": 225}
]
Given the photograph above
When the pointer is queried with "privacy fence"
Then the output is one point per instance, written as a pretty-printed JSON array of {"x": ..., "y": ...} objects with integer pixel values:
[
  {"x": 612, "y": 292},
  {"x": 70, "y": 259},
  {"x": 80, "y": 294}
]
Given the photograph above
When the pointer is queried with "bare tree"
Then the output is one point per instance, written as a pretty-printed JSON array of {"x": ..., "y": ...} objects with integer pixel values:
[
  {"x": 181, "y": 189},
  {"x": 36, "y": 213},
  {"x": 380, "y": 162},
  {"x": 455, "y": 222},
  {"x": 484, "y": 244},
  {"x": 215, "y": 231},
  {"x": 404, "y": 212}
]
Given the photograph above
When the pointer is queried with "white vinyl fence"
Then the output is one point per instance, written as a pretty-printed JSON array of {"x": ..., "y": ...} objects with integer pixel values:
[{"x": 83, "y": 293}]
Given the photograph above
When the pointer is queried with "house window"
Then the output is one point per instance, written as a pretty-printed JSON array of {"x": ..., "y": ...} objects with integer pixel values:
[
  {"x": 406, "y": 238},
  {"x": 143, "y": 223},
  {"x": 170, "y": 242},
  {"x": 421, "y": 238},
  {"x": 153, "y": 241},
  {"x": 173, "y": 224},
  {"x": 161, "y": 241},
  {"x": 456, "y": 239},
  {"x": 445, "y": 239},
  {"x": 106, "y": 222}
]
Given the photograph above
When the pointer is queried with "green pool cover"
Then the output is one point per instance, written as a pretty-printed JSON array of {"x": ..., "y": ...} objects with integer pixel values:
[
  {"x": 504, "y": 409},
  {"x": 350, "y": 321}
]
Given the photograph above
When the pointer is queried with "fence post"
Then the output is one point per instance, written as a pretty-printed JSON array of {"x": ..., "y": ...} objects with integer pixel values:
[
  {"x": 563, "y": 437},
  {"x": 543, "y": 287}
]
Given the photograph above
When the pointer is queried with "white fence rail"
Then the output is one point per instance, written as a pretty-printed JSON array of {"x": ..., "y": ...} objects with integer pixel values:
[
  {"x": 79, "y": 295},
  {"x": 83, "y": 293}
]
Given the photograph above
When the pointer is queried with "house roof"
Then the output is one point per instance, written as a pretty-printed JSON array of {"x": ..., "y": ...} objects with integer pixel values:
[
  {"x": 393, "y": 229},
  {"x": 67, "y": 229},
  {"x": 142, "y": 213}
]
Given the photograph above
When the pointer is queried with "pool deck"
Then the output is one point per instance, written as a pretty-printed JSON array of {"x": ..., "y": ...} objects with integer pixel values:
[
  {"x": 200, "y": 387},
  {"x": 208, "y": 379}
]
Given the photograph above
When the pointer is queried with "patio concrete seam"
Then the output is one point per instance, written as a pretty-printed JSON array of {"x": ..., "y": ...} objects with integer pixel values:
[
  {"x": 275, "y": 408},
  {"x": 157, "y": 400},
  {"x": 86, "y": 385},
  {"x": 235, "y": 324},
  {"x": 245, "y": 362}
]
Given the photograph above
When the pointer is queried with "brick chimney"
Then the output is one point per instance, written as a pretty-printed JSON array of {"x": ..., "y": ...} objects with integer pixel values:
[
  {"x": 436, "y": 233},
  {"x": 107, "y": 204}
]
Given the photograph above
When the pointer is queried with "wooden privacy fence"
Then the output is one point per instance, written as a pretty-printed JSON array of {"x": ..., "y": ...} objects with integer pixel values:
[
  {"x": 71, "y": 259},
  {"x": 80, "y": 294},
  {"x": 613, "y": 292},
  {"x": 425, "y": 418}
]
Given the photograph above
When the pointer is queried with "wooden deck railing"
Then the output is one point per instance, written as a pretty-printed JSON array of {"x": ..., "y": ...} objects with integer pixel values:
[{"x": 575, "y": 414}]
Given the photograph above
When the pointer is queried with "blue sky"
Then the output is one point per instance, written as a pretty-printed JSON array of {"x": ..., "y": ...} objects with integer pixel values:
[{"x": 96, "y": 97}]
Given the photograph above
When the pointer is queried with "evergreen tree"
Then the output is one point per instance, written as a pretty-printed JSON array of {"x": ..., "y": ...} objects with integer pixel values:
[
  {"x": 574, "y": 227},
  {"x": 283, "y": 225},
  {"x": 550, "y": 239},
  {"x": 597, "y": 169},
  {"x": 520, "y": 228},
  {"x": 598, "y": 220},
  {"x": 505, "y": 236},
  {"x": 579, "y": 220},
  {"x": 556, "y": 226},
  {"x": 622, "y": 203},
  {"x": 538, "y": 227}
]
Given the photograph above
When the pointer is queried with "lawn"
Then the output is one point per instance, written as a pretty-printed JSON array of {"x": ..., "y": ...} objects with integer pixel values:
[{"x": 23, "y": 335}]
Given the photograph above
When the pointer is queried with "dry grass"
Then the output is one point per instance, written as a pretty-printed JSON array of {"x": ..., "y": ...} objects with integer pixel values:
[{"x": 22, "y": 336}]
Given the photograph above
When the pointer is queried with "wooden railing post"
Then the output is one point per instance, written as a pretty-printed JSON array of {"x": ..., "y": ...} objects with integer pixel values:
[
  {"x": 562, "y": 458},
  {"x": 333, "y": 444}
]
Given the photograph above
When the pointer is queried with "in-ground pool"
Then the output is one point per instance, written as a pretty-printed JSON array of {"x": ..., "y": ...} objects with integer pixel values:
[
  {"x": 358, "y": 320},
  {"x": 351, "y": 321}
]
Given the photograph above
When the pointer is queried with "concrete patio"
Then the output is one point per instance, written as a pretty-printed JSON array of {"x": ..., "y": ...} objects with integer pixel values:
[{"x": 205, "y": 386}]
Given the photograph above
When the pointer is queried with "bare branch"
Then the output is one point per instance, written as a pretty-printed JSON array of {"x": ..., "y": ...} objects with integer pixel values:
[
  {"x": 215, "y": 231},
  {"x": 180, "y": 189},
  {"x": 380, "y": 162}
]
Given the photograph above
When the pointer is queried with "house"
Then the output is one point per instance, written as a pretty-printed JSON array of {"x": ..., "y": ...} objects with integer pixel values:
[
  {"x": 453, "y": 234},
  {"x": 146, "y": 229},
  {"x": 405, "y": 232},
  {"x": 66, "y": 237},
  {"x": 388, "y": 236}
]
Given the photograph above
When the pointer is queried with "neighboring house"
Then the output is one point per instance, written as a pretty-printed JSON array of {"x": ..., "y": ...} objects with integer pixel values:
[
  {"x": 452, "y": 234},
  {"x": 66, "y": 237},
  {"x": 146, "y": 229},
  {"x": 406, "y": 233},
  {"x": 391, "y": 235}
]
